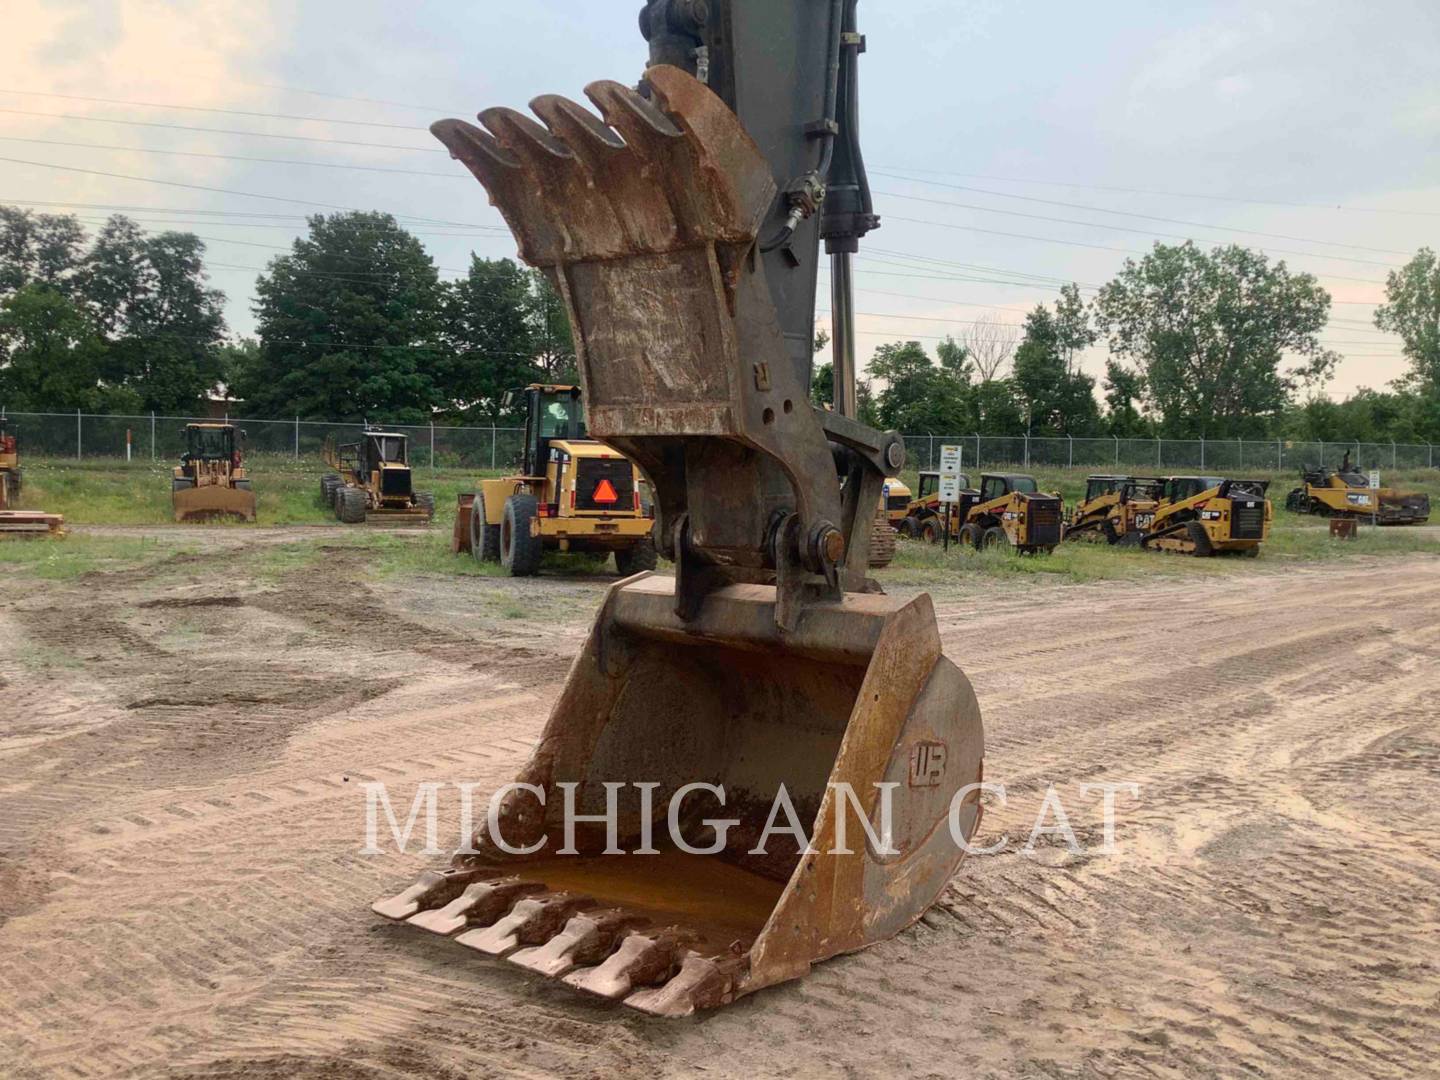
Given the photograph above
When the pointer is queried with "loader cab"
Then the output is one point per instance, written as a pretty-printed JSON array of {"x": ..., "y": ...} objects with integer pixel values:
[
  {"x": 997, "y": 485},
  {"x": 1099, "y": 486},
  {"x": 1142, "y": 489},
  {"x": 1180, "y": 488},
  {"x": 209, "y": 442},
  {"x": 551, "y": 412},
  {"x": 384, "y": 448}
]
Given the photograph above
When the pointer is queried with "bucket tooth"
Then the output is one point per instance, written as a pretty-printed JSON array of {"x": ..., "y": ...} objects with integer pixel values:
[
  {"x": 587, "y": 940},
  {"x": 641, "y": 960},
  {"x": 531, "y": 921},
  {"x": 479, "y": 905},
  {"x": 703, "y": 982},
  {"x": 433, "y": 889}
]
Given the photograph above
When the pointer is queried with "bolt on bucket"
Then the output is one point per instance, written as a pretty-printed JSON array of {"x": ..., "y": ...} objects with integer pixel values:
[{"x": 813, "y": 721}]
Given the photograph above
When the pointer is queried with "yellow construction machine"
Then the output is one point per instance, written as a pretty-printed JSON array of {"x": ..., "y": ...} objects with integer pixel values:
[
  {"x": 15, "y": 522},
  {"x": 895, "y": 501},
  {"x": 1012, "y": 511},
  {"x": 372, "y": 482},
  {"x": 1115, "y": 509},
  {"x": 1210, "y": 515},
  {"x": 210, "y": 483},
  {"x": 572, "y": 494},
  {"x": 1346, "y": 493},
  {"x": 925, "y": 514},
  {"x": 769, "y": 679}
]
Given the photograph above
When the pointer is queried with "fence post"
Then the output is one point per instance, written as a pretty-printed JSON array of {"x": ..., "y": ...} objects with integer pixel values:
[
  {"x": 1158, "y": 462},
  {"x": 1322, "y": 455},
  {"x": 1393, "y": 458},
  {"x": 1072, "y": 449},
  {"x": 977, "y": 450},
  {"x": 1279, "y": 455},
  {"x": 930, "y": 454},
  {"x": 77, "y": 435},
  {"x": 1430, "y": 455},
  {"x": 1027, "y": 450},
  {"x": 1202, "y": 452},
  {"x": 1240, "y": 453},
  {"x": 1117, "y": 451},
  {"x": 297, "y": 438},
  {"x": 432, "y": 446},
  {"x": 493, "y": 432},
  {"x": 153, "y": 451}
]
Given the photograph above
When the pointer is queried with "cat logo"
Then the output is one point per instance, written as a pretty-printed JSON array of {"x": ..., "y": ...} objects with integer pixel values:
[{"x": 927, "y": 764}]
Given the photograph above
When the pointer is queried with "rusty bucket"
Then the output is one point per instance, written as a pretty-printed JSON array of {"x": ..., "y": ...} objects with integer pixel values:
[{"x": 693, "y": 739}]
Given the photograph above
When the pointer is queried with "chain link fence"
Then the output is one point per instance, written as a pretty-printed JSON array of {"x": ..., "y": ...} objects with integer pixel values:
[
  {"x": 161, "y": 438},
  {"x": 1163, "y": 455},
  {"x": 84, "y": 436}
]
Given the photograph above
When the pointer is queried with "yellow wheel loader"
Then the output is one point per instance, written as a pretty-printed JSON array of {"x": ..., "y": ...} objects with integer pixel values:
[
  {"x": 925, "y": 514},
  {"x": 572, "y": 494},
  {"x": 768, "y": 681},
  {"x": 1115, "y": 509},
  {"x": 1012, "y": 511},
  {"x": 211, "y": 483},
  {"x": 1210, "y": 515},
  {"x": 1346, "y": 493},
  {"x": 15, "y": 523},
  {"x": 895, "y": 504},
  {"x": 372, "y": 482}
]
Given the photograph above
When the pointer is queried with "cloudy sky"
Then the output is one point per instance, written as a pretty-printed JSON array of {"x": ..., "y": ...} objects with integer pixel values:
[{"x": 1013, "y": 145}]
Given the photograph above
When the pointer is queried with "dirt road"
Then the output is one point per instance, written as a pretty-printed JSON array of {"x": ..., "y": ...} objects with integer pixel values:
[{"x": 181, "y": 891}]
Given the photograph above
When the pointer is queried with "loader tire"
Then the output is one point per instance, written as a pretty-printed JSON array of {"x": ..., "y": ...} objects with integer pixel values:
[
  {"x": 1200, "y": 538},
  {"x": 994, "y": 537},
  {"x": 931, "y": 530},
  {"x": 1252, "y": 552},
  {"x": 328, "y": 484},
  {"x": 425, "y": 501},
  {"x": 484, "y": 539},
  {"x": 910, "y": 528},
  {"x": 1297, "y": 502},
  {"x": 350, "y": 506},
  {"x": 970, "y": 535},
  {"x": 519, "y": 551},
  {"x": 641, "y": 556}
]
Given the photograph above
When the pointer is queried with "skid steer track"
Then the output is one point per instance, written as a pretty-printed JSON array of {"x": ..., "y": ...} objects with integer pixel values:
[{"x": 769, "y": 679}]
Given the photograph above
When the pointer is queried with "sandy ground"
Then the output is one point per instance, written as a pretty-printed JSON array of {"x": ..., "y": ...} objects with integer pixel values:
[{"x": 181, "y": 892}]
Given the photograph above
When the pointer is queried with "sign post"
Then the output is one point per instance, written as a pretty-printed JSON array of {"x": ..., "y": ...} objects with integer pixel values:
[
  {"x": 950, "y": 459},
  {"x": 1374, "y": 497}
]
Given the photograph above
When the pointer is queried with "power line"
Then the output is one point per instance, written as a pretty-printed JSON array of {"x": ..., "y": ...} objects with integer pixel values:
[
  {"x": 453, "y": 175},
  {"x": 432, "y": 109},
  {"x": 211, "y": 109},
  {"x": 1172, "y": 194},
  {"x": 217, "y": 191},
  {"x": 1147, "y": 232},
  {"x": 226, "y": 131}
]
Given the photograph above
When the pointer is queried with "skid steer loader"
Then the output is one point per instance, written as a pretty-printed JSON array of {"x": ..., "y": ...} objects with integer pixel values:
[
  {"x": 1346, "y": 492},
  {"x": 925, "y": 514},
  {"x": 210, "y": 483},
  {"x": 1210, "y": 515},
  {"x": 572, "y": 494},
  {"x": 372, "y": 483},
  {"x": 769, "y": 669},
  {"x": 1012, "y": 511},
  {"x": 1115, "y": 509}
]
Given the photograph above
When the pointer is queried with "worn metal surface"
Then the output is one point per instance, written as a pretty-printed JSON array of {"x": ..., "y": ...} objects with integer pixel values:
[{"x": 857, "y": 693}]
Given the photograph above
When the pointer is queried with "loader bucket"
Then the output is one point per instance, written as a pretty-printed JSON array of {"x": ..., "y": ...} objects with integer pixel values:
[
  {"x": 857, "y": 694},
  {"x": 214, "y": 502},
  {"x": 460, "y": 534}
]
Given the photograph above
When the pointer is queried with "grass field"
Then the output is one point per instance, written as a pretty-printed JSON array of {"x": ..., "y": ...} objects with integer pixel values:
[{"x": 103, "y": 492}]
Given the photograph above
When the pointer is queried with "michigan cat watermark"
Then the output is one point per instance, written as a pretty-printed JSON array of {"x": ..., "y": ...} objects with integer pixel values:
[{"x": 688, "y": 833}]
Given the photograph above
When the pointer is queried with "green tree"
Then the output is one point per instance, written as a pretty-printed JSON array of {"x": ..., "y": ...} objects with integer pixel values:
[
  {"x": 921, "y": 397},
  {"x": 1209, "y": 332},
  {"x": 349, "y": 325},
  {"x": 51, "y": 355},
  {"x": 1055, "y": 396},
  {"x": 490, "y": 331},
  {"x": 1412, "y": 310},
  {"x": 43, "y": 248},
  {"x": 1123, "y": 388},
  {"x": 554, "y": 346}
]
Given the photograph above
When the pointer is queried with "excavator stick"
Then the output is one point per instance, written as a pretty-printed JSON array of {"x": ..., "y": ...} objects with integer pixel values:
[{"x": 769, "y": 674}]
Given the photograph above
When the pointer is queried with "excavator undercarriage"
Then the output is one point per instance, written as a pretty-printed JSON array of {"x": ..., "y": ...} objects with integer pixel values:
[{"x": 770, "y": 669}]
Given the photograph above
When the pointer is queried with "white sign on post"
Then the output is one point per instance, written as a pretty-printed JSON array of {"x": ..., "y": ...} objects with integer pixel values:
[
  {"x": 1375, "y": 479},
  {"x": 949, "y": 460},
  {"x": 949, "y": 489}
]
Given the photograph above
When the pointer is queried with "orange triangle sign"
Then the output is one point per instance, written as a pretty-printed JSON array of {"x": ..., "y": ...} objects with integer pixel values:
[{"x": 605, "y": 492}]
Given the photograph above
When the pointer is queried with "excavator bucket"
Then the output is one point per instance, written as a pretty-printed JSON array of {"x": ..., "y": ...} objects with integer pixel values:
[
  {"x": 758, "y": 763},
  {"x": 213, "y": 502}
]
